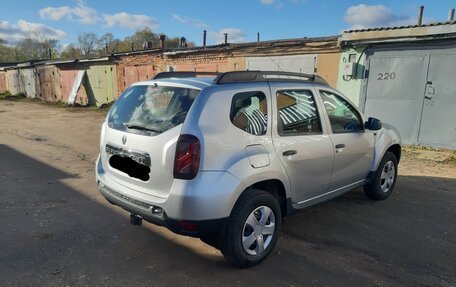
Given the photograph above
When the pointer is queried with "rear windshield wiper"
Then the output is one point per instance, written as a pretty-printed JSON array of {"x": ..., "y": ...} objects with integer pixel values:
[{"x": 142, "y": 128}]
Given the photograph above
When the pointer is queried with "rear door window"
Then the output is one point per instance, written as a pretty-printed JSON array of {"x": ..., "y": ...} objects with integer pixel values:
[
  {"x": 151, "y": 109},
  {"x": 249, "y": 112}
]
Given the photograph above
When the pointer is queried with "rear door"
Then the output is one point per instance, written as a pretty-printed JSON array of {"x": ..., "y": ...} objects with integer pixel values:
[
  {"x": 353, "y": 146},
  {"x": 139, "y": 141},
  {"x": 301, "y": 140}
]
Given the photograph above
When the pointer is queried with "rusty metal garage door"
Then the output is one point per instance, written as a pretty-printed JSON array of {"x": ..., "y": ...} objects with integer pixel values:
[
  {"x": 28, "y": 81},
  {"x": 413, "y": 92},
  {"x": 135, "y": 74},
  {"x": 3, "y": 85},
  {"x": 67, "y": 77},
  {"x": 49, "y": 79},
  {"x": 14, "y": 86},
  {"x": 103, "y": 81}
]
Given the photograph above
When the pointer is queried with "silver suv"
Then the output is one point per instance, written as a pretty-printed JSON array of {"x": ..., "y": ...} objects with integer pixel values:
[{"x": 226, "y": 157}]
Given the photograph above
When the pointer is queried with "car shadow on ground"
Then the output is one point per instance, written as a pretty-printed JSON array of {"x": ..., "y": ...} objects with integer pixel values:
[{"x": 53, "y": 235}]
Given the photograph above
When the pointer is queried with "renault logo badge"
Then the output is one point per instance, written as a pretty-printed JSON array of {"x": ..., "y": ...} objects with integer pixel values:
[{"x": 124, "y": 139}]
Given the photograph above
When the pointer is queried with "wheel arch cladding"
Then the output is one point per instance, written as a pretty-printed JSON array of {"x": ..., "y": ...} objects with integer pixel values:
[
  {"x": 276, "y": 188},
  {"x": 396, "y": 150}
]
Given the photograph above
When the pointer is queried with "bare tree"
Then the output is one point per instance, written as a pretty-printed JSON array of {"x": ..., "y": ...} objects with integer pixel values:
[
  {"x": 88, "y": 43},
  {"x": 36, "y": 47},
  {"x": 108, "y": 40},
  {"x": 71, "y": 52}
]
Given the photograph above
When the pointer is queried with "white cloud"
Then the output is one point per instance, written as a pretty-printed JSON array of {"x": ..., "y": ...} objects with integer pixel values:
[
  {"x": 131, "y": 21},
  {"x": 279, "y": 4},
  {"x": 83, "y": 13},
  {"x": 54, "y": 13},
  {"x": 87, "y": 15},
  {"x": 14, "y": 33},
  {"x": 234, "y": 35},
  {"x": 194, "y": 22},
  {"x": 366, "y": 16}
]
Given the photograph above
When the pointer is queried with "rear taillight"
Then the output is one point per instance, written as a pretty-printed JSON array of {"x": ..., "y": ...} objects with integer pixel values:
[{"x": 187, "y": 158}]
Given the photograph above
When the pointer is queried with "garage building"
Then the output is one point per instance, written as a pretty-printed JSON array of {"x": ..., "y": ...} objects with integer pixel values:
[{"x": 405, "y": 76}]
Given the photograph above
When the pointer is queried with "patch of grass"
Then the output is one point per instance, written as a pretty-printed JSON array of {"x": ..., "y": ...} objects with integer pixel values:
[
  {"x": 418, "y": 147},
  {"x": 104, "y": 108},
  {"x": 8, "y": 96},
  {"x": 450, "y": 160}
]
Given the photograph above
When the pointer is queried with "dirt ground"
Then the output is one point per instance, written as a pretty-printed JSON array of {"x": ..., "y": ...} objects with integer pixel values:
[{"x": 57, "y": 230}]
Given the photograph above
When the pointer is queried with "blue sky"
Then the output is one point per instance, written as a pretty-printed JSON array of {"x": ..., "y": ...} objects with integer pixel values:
[{"x": 242, "y": 19}]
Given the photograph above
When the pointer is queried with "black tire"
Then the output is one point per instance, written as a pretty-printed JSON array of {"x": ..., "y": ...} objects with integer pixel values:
[
  {"x": 374, "y": 189},
  {"x": 232, "y": 245}
]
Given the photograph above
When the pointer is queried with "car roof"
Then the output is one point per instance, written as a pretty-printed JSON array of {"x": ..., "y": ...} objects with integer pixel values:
[{"x": 202, "y": 80}]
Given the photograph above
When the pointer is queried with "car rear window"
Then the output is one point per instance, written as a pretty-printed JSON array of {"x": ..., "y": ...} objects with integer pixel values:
[{"x": 151, "y": 109}]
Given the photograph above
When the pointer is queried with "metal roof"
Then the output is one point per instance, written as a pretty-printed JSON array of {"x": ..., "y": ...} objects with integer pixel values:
[
  {"x": 401, "y": 27},
  {"x": 411, "y": 33},
  {"x": 232, "y": 46}
]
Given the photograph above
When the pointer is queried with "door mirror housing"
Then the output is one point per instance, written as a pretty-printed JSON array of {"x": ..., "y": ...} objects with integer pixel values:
[{"x": 373, "y": 124}]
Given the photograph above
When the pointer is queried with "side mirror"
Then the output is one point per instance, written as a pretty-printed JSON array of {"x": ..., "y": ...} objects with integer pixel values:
[{"x": 373, "y": 124}]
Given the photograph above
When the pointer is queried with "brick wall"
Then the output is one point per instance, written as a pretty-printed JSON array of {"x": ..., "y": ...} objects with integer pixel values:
[
  {"x": 136, "y": 59},
  {"x": 205, "y": 62}
]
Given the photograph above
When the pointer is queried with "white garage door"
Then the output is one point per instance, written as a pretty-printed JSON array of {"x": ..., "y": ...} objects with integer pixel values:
[{"x": 299, "y": 63}]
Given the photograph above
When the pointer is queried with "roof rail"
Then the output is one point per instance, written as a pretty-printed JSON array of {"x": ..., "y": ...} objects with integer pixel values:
[
  {"x": 267, "y": 76},
  {"x": 186, "y": 74}
]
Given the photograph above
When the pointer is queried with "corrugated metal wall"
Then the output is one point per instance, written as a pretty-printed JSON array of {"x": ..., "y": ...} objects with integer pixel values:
[
  {"x": 49, "y": 83},
  {"x": 3, "y": 82},
  {"x": 103, "y": 83},
  {"x": 29, "y": 83},
  {"x": 12, "y": 77}
]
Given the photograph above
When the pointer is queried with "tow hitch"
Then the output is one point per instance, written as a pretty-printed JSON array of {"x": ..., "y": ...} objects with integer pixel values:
[{"x": 135, "y": 219}]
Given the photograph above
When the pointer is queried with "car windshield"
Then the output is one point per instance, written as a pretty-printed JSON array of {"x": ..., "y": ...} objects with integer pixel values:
[{"x": 151, "y": 109}]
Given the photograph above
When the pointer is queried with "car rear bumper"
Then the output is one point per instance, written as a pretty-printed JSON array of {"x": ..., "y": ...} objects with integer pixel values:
[
  {"x": 193, "y": 207},
  {"x": 194, "y": 228}
]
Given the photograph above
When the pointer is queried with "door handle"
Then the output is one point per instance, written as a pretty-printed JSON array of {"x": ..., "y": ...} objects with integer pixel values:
[
  {"x": 340, "y": 146},
  {"x": 430, "y": 91},
  {"x": 289, "y": 152}
]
